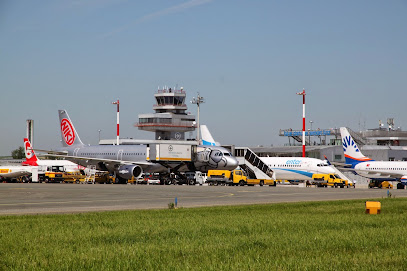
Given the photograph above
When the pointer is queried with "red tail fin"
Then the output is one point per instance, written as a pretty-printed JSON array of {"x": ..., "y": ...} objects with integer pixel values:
[{"x": 30, "y": 157}]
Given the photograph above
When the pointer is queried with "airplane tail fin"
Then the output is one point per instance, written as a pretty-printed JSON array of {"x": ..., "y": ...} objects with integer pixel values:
[
  {"x": 352, "y": 153},
  {"x": 70, "y": 137},
  {"x": 207, "y": 138},
  {"x": 30, "y": 157}
]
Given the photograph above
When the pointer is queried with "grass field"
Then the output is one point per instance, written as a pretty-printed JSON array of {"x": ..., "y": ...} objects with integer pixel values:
[{"x": 298, "y": 236}]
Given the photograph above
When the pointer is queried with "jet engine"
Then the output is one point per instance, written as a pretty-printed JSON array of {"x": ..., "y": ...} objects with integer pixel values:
[{"x": 129, "y": 171}]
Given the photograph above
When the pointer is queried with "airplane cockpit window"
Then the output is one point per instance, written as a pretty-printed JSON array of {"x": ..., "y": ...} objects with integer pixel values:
[{"x": 227, "y": 154}]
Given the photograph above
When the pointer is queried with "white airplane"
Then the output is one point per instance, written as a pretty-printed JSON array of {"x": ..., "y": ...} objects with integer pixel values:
[
  {"x": 284, "y": 168},
  {"x": 31, "y": 159},
  {"x": 366, "y": 167},
  {"x": 297, "y": 168}
]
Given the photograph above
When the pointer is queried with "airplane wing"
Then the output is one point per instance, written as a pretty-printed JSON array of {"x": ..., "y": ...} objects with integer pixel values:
[
  {"x": 341, "y": 165},
  {"x": 337, "y": 164},
  {"x": 139, "y": 163},
  {"x": 51, "y": 152}
]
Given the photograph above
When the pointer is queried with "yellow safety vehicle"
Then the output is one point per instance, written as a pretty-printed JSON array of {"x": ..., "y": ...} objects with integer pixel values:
[
  {"x": 325, "y": 180},
  {"x": 104, "y": 177},
  {"x": 234, "y": 177},
  {"x": 74, "y": 177},
  {"x": 380, "y": 184}
]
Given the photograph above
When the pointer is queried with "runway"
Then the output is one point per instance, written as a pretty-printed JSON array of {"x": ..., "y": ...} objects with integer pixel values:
[{"x": 42, "y": 198}]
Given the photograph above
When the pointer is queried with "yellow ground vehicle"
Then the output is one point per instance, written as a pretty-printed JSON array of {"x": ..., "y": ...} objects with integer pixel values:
[
  {"x": 103, "y": 177},
  {"x": 234, "y": 177},
  {"x": 380, "y": 184},
  {"x": 74, "y": 177},
  {"x": 325, "y": 180},
  {"x": 54, "y": 174}
]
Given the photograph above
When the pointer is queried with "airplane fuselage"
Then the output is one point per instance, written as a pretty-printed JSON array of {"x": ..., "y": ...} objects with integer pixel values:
[
  {"x": 381, "y": 169},
  {"x": 206, "y": 158},
  {"x": 297, "y": 168}
]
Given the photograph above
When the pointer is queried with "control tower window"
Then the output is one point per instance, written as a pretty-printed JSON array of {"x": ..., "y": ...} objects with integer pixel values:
[
  {"x": 179, "y": 100},
  {"x": 169, "y": 100},
  {"x": 160, "y": 100}
]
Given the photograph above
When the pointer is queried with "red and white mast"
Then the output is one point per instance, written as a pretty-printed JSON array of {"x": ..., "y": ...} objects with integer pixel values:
[
  {"x": 118, "y": 114},
  {"x": 303, "y": 121}
]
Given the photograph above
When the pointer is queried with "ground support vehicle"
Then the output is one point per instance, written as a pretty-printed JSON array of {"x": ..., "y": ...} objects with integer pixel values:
[
  {"x": 401, "y": 186},
  {"x": 380, "y": 184},
  {"x": 104, "y": 177},
  {"x": 325, "y": 180},
  {"x": 78, "y": 177},
  {"x": 53, "y": 174},
  {"x": 234, "y": 177},
  {"x": 148, "y": 178},
  {"x": 192, "y": 178}
]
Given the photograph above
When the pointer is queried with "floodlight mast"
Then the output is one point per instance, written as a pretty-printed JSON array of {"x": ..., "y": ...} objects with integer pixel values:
[
  {"x": 118, "y": 117},
  {"x": 198, "y": 100}
]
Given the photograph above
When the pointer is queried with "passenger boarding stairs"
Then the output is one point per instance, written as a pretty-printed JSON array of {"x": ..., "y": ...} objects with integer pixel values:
[
  {"x": 252, "y": 164},
  {"x": 337, "y": 171}
]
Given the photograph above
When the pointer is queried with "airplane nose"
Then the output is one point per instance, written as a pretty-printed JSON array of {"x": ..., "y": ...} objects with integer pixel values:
[{"x": 232, "y": 163}]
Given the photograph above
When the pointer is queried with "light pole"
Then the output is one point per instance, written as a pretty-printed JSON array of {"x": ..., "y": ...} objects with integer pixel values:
[
  {"x": 309, "y": 133},
  {"x": 303, "y": 121},
  {"x": 198, "y": 100},
  {"x": 99, "y": 135},
  {"x": 118, "y": 114}
]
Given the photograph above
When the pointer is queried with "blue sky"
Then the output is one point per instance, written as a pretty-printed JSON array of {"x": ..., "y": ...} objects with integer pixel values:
[{"x": 246, "y": 58}]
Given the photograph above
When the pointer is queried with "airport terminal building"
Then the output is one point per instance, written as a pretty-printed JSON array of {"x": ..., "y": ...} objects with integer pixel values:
[{"x": 384, "y": 144}]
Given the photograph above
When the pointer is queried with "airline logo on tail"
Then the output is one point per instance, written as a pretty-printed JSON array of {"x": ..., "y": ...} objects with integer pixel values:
[
  {"x": 348, "y": 142},
  {"x": 352, "y": 153},
  {"x": 30, "y": 157},
  {"x": 68, "y": 132},
  {"x": 28, "y": 149}
]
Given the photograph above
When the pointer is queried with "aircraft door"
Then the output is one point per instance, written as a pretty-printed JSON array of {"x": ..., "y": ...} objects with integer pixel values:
[{"x": 120, "y": 155}]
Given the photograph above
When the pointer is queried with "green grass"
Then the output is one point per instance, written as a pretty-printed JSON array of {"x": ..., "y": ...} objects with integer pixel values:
[{"x": 299, "y": 236}]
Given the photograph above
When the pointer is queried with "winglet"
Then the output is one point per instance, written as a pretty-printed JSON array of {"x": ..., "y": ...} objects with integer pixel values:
[{"x": 326, "y": 158}]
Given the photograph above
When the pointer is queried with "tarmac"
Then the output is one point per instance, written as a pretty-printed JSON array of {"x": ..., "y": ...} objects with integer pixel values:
[{"x": 45, "y": 198}]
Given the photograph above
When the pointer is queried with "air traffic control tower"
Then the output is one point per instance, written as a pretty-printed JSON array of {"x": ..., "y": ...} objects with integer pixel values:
[{"x": 170, "y": 120}]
